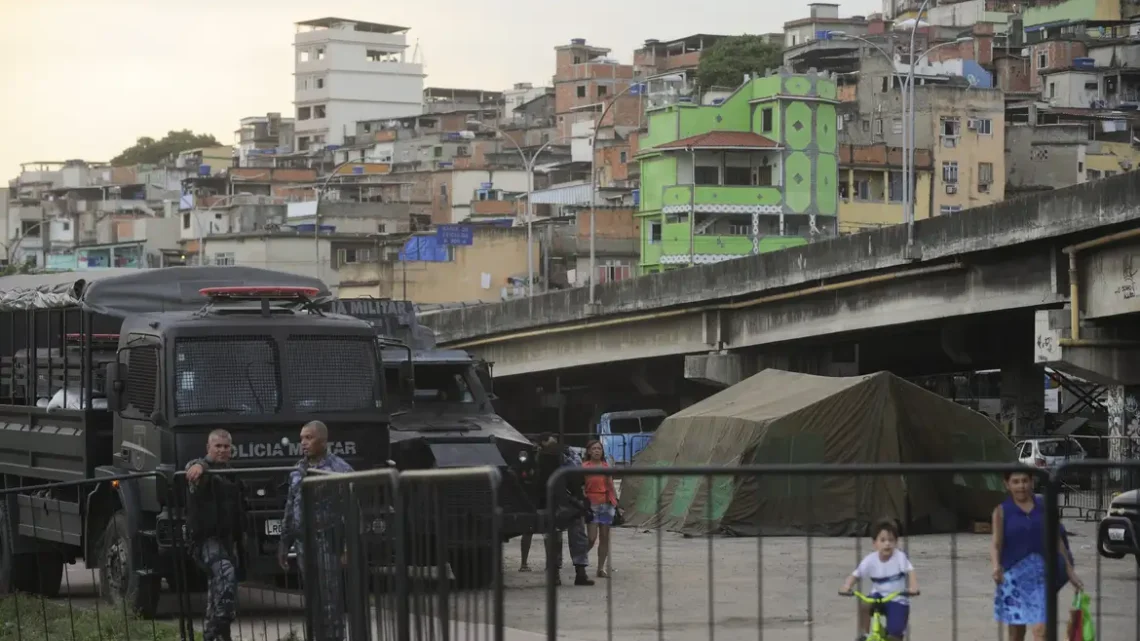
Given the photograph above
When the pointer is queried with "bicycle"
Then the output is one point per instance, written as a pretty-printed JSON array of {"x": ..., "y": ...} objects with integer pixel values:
[{"x": 878, "y": 611}]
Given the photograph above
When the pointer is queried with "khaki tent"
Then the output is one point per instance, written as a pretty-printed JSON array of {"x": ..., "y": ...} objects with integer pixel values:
[{"x": 778, "y": 417}]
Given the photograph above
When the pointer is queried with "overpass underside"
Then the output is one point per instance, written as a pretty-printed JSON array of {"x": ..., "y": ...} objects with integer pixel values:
[{"x": 981, "y": 284}]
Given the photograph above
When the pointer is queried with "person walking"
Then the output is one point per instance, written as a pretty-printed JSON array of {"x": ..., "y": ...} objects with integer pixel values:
[
  {"x": 216, "y": 527},
  {"x": 571, "y": 511},
  {"x": 327, "y": 548},
  {"x": 602, "y": 494},
  {"x": 1018, "y": 557}
]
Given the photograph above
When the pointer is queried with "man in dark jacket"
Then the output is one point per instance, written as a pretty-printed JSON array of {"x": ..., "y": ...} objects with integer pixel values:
[
  {"x": 571, "y": 511},
  {"x": 215, "y": 523}
]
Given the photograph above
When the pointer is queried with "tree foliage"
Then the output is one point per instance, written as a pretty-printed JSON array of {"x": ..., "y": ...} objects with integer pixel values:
[
  {"x": 148, "y": 150},
  {"x": 728, "y": 59}
]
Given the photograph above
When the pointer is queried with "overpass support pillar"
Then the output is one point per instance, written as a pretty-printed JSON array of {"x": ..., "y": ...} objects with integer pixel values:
[
  {"x": 1123, "y": 403},
  {"x": 720, "y": 369},
  {"x": 1023, "y": 398}
]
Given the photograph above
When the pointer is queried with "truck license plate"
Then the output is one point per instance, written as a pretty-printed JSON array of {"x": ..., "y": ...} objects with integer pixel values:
[
  {"x": 1116, "y": 533},
  {"x": 273, "y": 527}
]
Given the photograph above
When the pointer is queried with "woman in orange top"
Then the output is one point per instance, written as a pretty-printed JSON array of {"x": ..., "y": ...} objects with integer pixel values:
[{"x": 603, "y": 501}]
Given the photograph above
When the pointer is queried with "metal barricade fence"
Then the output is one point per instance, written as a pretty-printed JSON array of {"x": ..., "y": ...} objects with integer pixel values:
[
  {"x": 404, "y": 556},
  {"x": 807, "y": 528},
  {"x": 269, "y": 600},
  {"x": 48, "y": 590},
  {"x": 1085, "y": 495},
  {"x": 1114, "y": 587}
]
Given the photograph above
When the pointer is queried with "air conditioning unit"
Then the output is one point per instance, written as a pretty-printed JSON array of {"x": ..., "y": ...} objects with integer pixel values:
[
  {"x": 972, "y": 124},
  {"x": 951, "y": 189}
]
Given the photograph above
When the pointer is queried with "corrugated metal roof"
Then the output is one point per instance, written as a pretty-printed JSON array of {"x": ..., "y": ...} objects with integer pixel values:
[{"x": 573, "y": 194}]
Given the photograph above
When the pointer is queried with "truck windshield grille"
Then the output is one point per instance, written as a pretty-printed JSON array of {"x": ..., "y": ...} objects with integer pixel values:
[
  {"x": 219, "y": 375},
  {"x": 332, "y": 373}
]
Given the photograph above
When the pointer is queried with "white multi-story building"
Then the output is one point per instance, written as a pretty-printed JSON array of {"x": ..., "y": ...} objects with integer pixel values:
[{"x": 347, "y": 71}]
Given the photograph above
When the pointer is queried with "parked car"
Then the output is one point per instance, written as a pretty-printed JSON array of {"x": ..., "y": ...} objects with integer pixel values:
[
  {"x": 1116, "y": 534},
  {"x": 1051, "y": 452}
]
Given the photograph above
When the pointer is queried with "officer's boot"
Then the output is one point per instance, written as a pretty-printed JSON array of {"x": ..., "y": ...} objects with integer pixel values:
[{"x": 580, "y": 576}]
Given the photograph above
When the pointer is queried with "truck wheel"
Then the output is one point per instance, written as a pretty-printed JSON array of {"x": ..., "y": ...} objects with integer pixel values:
[
  {"x": 473, "y": 568},
  {"x": 120, "y": 582},
  {"x": 40, "y": 573}
]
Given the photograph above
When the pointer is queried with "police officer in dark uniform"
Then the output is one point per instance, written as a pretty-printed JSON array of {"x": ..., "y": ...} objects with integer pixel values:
[{"x": 215, "y": 521}]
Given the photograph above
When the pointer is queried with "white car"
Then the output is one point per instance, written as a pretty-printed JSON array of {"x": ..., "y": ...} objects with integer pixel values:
[{"x": 1051, "y": 452}]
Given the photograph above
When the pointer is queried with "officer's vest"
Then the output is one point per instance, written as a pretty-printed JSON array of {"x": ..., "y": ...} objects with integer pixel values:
[{"x": 214, "y": 509}]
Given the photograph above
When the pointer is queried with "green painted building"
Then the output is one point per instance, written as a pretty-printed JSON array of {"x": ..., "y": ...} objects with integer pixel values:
[{"x": 760, "y": 171}]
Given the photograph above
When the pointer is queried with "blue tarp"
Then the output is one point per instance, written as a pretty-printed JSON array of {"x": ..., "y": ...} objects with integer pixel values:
[{"x": 425, "y": 248}]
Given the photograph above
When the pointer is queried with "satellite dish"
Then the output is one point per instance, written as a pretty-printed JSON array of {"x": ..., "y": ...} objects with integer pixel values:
[{"x": 972, "y": 79}]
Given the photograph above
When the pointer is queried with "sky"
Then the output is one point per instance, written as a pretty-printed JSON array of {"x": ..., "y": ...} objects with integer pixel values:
[{"x": 86, "y": 78}]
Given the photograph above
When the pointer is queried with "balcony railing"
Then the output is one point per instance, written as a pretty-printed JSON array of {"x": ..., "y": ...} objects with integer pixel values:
[{"x": 722, "y": 195}]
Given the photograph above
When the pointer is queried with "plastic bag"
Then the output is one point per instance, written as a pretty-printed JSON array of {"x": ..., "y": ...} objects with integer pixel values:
[{"x": 1081, "y": 626}]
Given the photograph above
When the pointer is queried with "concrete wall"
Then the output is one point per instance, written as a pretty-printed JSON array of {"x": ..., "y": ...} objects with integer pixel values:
[
  {"x": 1044, "y": 216},
  {"x": 1046, "y": 156},
  {"x": 1110, "y": 281},
  {"x": 1071, "y": 89},
  {"x": 498, "y": 253}
]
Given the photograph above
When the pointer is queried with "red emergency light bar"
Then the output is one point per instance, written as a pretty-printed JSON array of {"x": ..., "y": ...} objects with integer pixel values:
[
  {"x": 260, "y": 293},
  {"x": 94, "y": 337}
]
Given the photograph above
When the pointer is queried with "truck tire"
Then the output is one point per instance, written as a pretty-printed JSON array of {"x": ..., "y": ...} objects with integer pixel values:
[
  {"x": 120, "y": 582},
  {"x": 473, "y": 567}
]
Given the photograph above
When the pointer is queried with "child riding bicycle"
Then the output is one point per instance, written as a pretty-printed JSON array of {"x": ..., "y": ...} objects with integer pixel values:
[{"x": 890, "y": 573}]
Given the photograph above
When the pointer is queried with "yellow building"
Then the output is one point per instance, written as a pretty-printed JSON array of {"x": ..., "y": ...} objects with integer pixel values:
[
  {"x": 870, "y": 187},
  {"x": 1104, "y": 159},
  {"x": 968, "y": 126},
  {"x": 482, "y": 271}
]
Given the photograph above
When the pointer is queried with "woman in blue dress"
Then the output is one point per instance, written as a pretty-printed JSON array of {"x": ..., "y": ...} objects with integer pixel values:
[{"x": 1018, "y": 558}]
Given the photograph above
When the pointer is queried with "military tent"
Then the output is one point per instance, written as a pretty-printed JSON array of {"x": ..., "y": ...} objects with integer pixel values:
[{"x": 778, "y": 417}]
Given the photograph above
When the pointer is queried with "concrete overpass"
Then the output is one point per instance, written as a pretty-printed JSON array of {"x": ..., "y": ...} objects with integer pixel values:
[{"x": 991, "y": 259}]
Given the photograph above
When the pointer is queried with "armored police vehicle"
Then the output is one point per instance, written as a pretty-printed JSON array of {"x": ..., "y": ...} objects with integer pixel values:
[
  {"x": 449, "y": 419},
  {"x": 121, "y": 374}
]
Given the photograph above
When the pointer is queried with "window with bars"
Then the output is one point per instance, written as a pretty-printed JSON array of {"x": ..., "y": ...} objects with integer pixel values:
[
  {"x": 226, "y": 375},
  {"x": 949, "y": 172},
  {"x": 332, "y": 373}
]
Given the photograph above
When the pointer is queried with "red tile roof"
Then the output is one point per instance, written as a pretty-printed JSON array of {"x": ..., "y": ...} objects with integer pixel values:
[{"x": 721, "y": 140}]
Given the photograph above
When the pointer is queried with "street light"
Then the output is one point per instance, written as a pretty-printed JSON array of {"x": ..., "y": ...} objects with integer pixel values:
[
  {"x": 594, "y": 179},
  {"x": 317, "y": 212},
  {"x": 528, "y": 164},
  {"x": 909, "y": 114}
]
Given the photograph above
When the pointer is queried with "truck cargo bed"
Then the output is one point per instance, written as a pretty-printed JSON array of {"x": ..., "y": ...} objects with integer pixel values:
[{"x": 56, "y": 445}]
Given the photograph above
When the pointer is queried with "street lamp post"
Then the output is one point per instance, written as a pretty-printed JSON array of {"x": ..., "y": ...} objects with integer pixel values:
[
  {"x": 528, "y": 165},
  {"x": 594, "y": 182},
  {"x": 909, "y": 116}
]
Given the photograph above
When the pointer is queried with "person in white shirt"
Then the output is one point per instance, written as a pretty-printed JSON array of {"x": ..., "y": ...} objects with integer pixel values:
[{"x": 889, "y": 570}]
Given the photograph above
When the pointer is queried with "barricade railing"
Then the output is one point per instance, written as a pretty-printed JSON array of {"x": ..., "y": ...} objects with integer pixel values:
[
  {"x": 1114, "y": 587},
  {"x": 269, "y": 601},
  {"x": 677, "y": 574},
  {"x": 413, "y": 555},
  {"x": 47, "y": 589}
]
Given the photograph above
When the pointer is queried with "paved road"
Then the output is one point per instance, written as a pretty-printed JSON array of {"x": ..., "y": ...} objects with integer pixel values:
[
  {"x": 783, "y": 611},
  {"x": 957, "y": 592}
]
